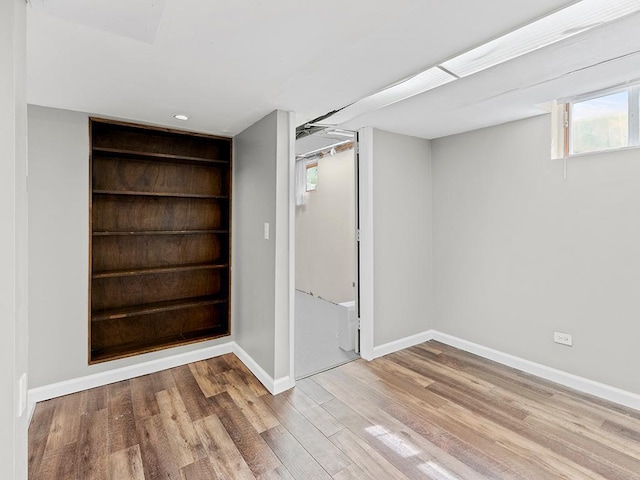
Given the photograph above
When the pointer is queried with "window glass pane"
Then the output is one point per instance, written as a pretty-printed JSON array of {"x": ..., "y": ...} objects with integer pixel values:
[
  {"x": 600, "y": 123},
  {"x": 312, "y": 177}
]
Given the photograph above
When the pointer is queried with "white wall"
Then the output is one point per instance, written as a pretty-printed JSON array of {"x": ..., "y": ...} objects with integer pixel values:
[
  {"x": 260, "y": 291},
  {"x": 59, "y": 252},
  {"x": 403, "y": 270},
  {"x": 325, "y": 232},
  {"x": 520, "y": 252},
  {"x": 13, "y": 238}
]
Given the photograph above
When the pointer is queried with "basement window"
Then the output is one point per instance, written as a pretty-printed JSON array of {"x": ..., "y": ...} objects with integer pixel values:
[
  {"x": 312, "y": 176},
  {"x": 601, "y": 121}
]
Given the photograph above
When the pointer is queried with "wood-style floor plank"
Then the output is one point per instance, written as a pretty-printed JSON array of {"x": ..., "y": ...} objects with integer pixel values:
[
  {"x": 293, "y": 455},
  {"x": 194, "y": 400},
  {"x": 252, "y": 406},
  {"x": 126, "y": 463},
  {"x": 209, "y": 378},
  {"x": 224, "y": 458},
  {"x": 331, "y": 459},
  {"x": 201, "y": 469},
  {"x": 38, "y": 433},
  {"x": 396, "y": 441},
  {"x": 280, "y": 473},
  {"x": 352, "y": 472},
  {"x": 122, "y": 424},
  {"x": 250, "y": 444},
  {"x": 430, "y": 411},
  {"x": 464, "y": 444},
  {"x": 248, "y": 377},
  {"x": 366, "y": 457},
  {"x": 310, "y": 387},
  {"x": 315, "y": 391},
  {"x": 143, "y": 397},
  {"x": 65, "y": 425},
  {"x": 158, "y": 459},
  {"x": 92, "y": 450},
  {"x": 318, "y": 416},
  {"x": 59, "y": 464},
  {"x": 182, "y": 436}
]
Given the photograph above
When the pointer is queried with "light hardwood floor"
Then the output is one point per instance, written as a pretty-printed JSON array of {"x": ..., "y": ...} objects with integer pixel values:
[{"x": 430, "y": 411}]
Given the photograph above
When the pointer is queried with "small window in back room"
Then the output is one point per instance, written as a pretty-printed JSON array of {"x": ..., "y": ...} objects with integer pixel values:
[
  {"x": 600, "y": 121},
  {"x": 312, "y": 176}
]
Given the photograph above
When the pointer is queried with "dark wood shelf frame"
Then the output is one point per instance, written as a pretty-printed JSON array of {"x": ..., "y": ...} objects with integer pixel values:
[
  {"x": 161, "y": 232},
  {"x": 160, "y": 216},
  {"x": 154, "y": 270},
  {"x": 102, "y": 355},
  {"x": 159, "y": 194},
  {"x": 158, "y": 156},
  {"x": 158, "y": 307}
]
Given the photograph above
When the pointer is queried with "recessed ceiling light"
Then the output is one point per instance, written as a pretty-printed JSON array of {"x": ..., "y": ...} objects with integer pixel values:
[{"x": 181, "y": 116}]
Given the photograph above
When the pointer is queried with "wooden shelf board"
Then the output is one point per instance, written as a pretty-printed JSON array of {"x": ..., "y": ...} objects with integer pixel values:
[
  {"x": 134, "y": 348},
  {"x": 150, "y": 308},
  {"x": 160, "y": 194},
  {"x": 159, "y": 156},
  {"x": 148, "y": 271},
  {"x": 160, "y": 232}
]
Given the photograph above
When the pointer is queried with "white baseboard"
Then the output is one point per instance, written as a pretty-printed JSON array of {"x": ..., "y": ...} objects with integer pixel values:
[
  {"x": 398, "y": 345},
  {"x": 74, "y": 385},
  {"x": 280, "y": 385},
  {"x": 275, "y": 386},
  {"x": 585, "y": 385},
  {"x": 601, "y": 390},
  {"x": 283, "y": 384}
]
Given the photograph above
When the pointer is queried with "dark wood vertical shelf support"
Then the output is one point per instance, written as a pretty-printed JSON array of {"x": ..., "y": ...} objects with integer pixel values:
[{"x": 160, "y": 213}]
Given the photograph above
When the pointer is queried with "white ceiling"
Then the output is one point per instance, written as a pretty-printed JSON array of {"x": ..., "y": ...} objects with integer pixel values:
[{"x": 227, "y": 64}]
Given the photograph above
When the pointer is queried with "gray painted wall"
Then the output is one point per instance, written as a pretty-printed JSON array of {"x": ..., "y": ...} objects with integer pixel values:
[
  {"x": 403, "y": 270},
  {"x": 325, "y": 232},
  {"x": 261, "y": 267},
  {"x": 520, "y": 252},
  {"x": 13, "y": 238},
  {"x": 59, "y": 251}
]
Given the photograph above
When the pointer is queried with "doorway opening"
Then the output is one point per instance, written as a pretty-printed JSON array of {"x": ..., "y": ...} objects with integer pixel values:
[{"x": 326, "y": 251}]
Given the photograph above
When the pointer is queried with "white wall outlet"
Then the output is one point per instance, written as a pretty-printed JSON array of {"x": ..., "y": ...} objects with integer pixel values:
[
  {"x": 266, "y": 231},
  {"x": 563, "y": 338},
  {"x": 22, "y": 394}
]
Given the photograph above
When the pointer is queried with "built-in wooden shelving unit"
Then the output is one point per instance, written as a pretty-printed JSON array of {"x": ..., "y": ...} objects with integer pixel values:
[{"x": 160, "y": 226}]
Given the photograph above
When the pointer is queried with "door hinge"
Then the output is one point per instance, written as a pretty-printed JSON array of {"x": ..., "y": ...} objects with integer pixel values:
[{"x": 357, "y": 235}]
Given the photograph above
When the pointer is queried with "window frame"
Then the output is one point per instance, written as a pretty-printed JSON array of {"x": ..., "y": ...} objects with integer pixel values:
[
  {"x": 633, "y": 112},
  {"x": 308, "y": 165}
]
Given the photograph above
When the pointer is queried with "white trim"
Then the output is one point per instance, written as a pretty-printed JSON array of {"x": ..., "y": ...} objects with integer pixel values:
[
  {"x": 74, "y": 385},
  {"x": 570, "y": 380},
  {"x": 292, "y": 245},
  {"x": 403, "y": 343},
  {"x": 275, "y": 386},
  {"x": 583, "y": 97},
  {"x": 282, "y": 385},
  {"x": 585, "y": 385},
  {"x": 365, "y": 193}
]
